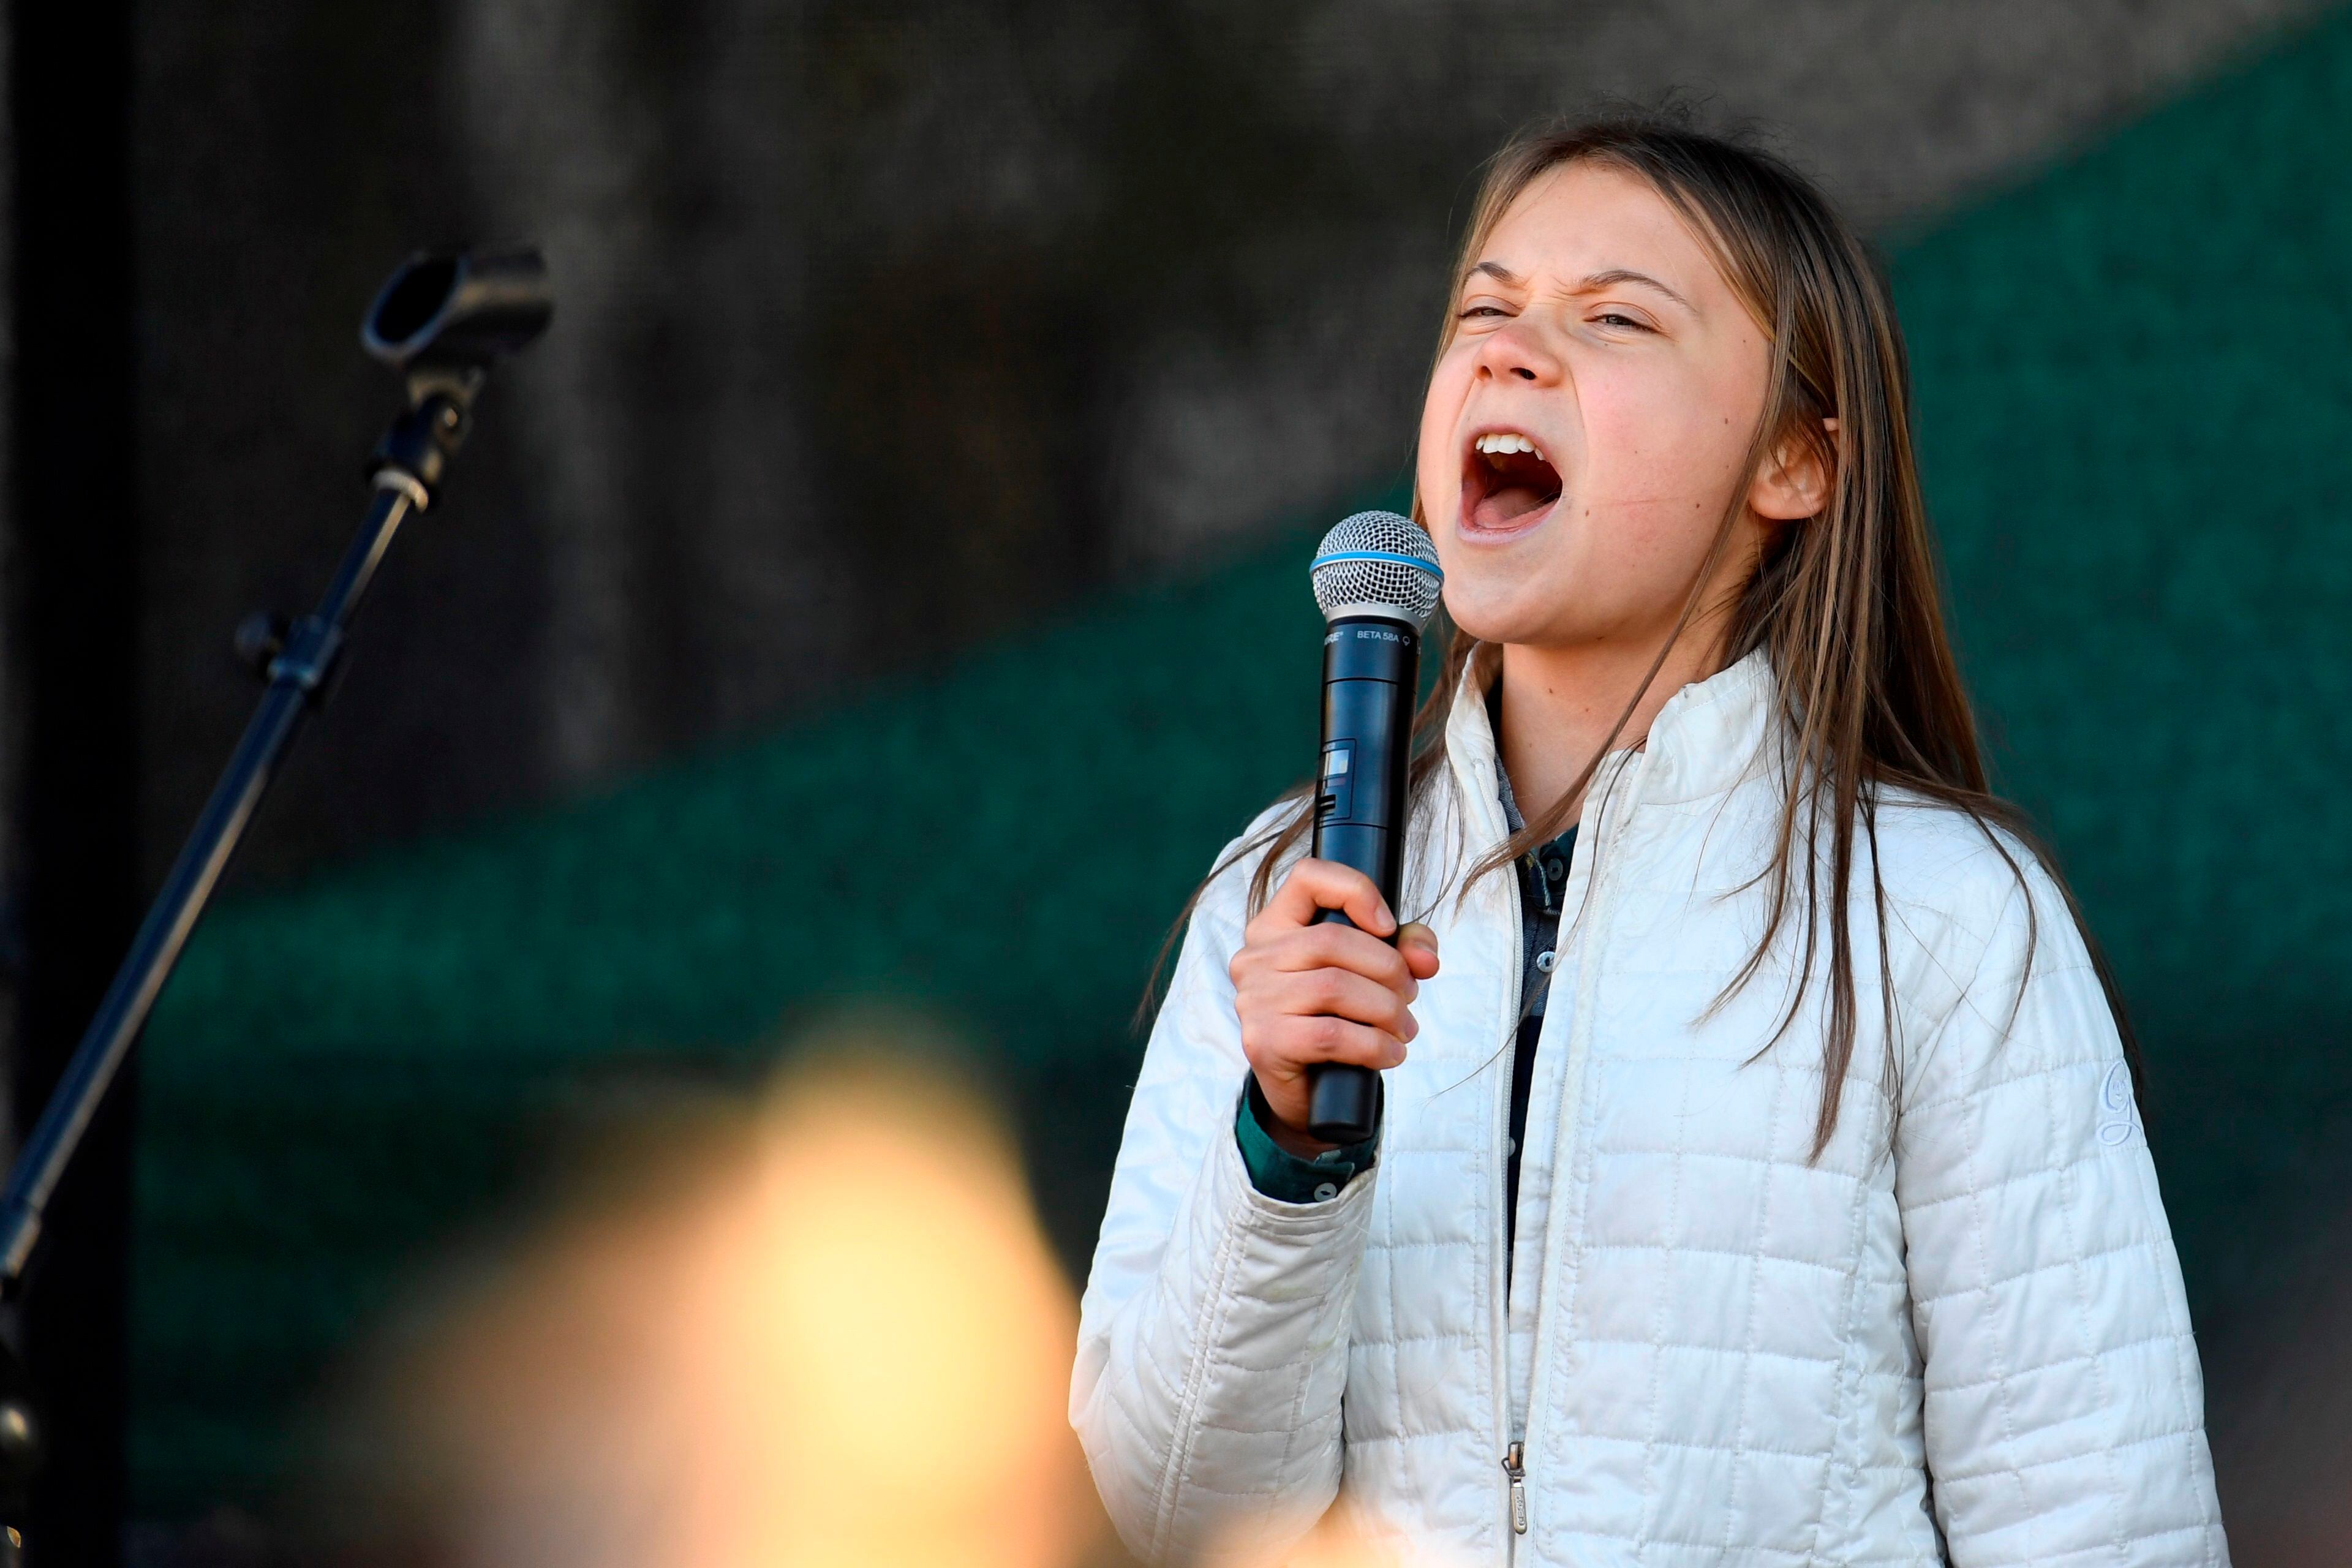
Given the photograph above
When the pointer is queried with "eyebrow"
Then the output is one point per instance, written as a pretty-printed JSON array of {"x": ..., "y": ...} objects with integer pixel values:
[
  {"x": 1616, "y": 275},
  {"x": 1610, "y": 279}
]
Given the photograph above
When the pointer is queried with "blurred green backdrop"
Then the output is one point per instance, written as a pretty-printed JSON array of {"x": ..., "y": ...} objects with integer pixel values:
[{"x": 2135, "y": 385}]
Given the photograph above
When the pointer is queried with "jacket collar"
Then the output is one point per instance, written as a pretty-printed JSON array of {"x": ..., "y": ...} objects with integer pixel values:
[{"x": 1708, "y": 737}]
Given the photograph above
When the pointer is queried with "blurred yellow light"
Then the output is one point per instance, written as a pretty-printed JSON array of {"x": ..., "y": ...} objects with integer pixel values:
[{"x": 836, "y": 1338}]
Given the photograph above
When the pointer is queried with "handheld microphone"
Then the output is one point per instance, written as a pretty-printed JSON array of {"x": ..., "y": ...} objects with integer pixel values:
[{"x": 1376, "y": 579}]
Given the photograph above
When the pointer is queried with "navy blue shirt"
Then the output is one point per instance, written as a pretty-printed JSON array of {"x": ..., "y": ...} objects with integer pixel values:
[{"x": 1542, "y": 875}]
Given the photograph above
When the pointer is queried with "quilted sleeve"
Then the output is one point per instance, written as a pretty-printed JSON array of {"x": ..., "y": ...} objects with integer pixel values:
[
  {"x": 2065, "y": 1409},
  {"x": 1212, "y": 1338}
]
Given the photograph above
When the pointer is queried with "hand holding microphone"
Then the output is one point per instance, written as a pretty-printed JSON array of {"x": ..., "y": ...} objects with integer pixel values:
[
  {"x": 1312, "y": 992},
  {"x": 1315, "y": 996}
]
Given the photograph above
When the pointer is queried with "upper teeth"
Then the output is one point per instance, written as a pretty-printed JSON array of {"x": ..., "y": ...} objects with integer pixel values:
[{"x": 1506, "y": 442}]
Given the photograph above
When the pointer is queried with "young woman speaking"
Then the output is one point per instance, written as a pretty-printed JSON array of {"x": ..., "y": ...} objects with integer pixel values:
[{"x": 1760, "y": 1179}]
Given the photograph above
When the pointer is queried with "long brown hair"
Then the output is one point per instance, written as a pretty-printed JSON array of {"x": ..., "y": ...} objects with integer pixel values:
[{"x": 1846, "y": 606}]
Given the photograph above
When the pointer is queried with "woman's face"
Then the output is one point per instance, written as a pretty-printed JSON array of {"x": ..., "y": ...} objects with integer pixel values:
[{"x": 1589, "y": 422}]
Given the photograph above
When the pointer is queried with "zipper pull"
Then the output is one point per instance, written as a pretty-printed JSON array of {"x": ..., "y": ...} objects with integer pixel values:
[{"x": 1515, "y": 1467}]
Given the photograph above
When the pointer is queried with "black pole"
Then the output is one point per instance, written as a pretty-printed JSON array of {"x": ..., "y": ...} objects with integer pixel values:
[
  {"x": 443, "y": 321},
  {"x": 75, "y": 614},
  {"x": 297, "y": 673}
]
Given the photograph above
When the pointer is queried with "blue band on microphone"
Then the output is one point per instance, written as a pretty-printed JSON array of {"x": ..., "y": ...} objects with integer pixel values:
[{"x": 1413, "y": 561}]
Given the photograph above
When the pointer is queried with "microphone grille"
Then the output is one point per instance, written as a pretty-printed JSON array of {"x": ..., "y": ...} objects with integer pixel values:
[{"x": 1376, "y": 563}]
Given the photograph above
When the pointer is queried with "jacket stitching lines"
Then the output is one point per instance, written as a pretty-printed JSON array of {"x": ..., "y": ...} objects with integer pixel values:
[
  {"x": 1839, "y": 1268},
  {"x": 1396, "y": 1385},
  {"x": 1297, "y": 1424},
  {"x": 1996, "y": 1347},
  {"x": 2164, "y": 1339},
  {"x": 1657, "y": 1340},
  {"x": 1173, "y": 1479},
  {"x": 1849, "y": 1374},
  {"x": 1763, "y": 1226},
  {"x": 2072, "y": 1064},
  {"x": 2031, "y": 1465},
  {"x": 2040, "y": 1173},
  {"x": 2098, "y": 1369},
  {"x": 1434, "y": 1336},
  {"x": 1722, "y": 1352},
  {"x": 1692, "y": 1446},
  {"x": 1851, "y": 1178},
  {"x": 1988, "y": 1285}
]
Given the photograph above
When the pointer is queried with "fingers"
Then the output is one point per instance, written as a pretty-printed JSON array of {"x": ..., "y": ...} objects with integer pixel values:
[
  {"x": 1286, "y": 1046},
  {"x": 1295, "y": 949},
  {"x": 1314, "y": 886},
  {"x": 1416, "y": 945},
  {"x": 1332, "y": 993}
]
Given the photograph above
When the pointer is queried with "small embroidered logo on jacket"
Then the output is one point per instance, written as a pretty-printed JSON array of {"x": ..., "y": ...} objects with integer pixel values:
[{"x": 2123, "y": 1116}]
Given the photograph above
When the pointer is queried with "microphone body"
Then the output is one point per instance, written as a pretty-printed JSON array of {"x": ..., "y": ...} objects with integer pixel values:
[
  {"x": 1371, "y": 668},
  {"x": 1376, "y": 579}
]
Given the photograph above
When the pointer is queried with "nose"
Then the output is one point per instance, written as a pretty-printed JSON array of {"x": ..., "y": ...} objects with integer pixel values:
[{"x": 1518, "y": 352}]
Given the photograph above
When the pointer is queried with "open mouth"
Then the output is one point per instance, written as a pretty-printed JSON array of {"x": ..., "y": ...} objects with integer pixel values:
[{"x": 1505, "y": 481}]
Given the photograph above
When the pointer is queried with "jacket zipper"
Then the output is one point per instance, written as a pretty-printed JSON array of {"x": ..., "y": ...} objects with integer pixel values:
[
  {"x": 1594, "y": 903},
  {"x": 1515, "y": 1465},
  {"x": 1514, "y": 1451}
]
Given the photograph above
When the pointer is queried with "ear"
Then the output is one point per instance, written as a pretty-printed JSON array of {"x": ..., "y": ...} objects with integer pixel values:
[{"x": 1793, "y": 482}]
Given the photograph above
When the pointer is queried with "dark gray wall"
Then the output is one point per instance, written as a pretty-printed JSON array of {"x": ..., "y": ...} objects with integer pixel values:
[{"x": 882, "y": 327}]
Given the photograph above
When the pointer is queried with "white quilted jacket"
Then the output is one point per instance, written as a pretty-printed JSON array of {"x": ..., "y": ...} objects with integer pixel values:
[{"x": 1959, "y": 1336}]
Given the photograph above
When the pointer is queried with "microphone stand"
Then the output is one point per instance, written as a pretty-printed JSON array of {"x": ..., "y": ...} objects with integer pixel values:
[{"x": 442, "y": 322}]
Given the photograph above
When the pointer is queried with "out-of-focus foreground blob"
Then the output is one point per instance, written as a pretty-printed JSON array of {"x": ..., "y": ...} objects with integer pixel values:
[
  {"x": 825, "y": 1332},
  {"x": 1338, "y": 1541}
]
